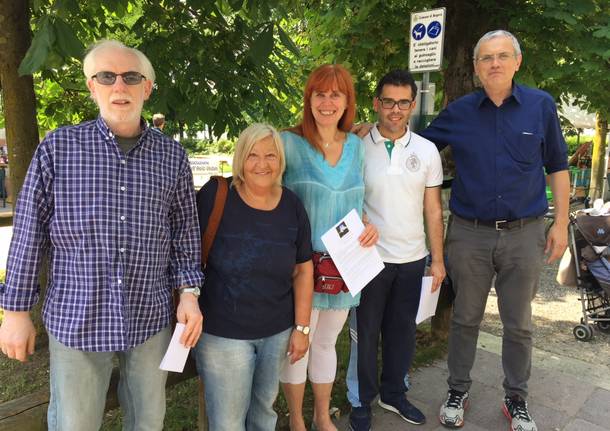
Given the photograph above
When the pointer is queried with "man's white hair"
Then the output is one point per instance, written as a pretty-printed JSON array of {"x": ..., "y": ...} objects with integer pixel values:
[
  {"x": 89, "y": 61},
  {"x": 492, "y": 35}
]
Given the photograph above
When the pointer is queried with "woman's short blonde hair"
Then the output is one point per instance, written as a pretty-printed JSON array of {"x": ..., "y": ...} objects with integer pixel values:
[{"x": 247, "y": 139}]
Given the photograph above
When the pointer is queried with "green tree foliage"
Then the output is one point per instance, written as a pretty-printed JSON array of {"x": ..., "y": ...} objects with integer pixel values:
[
  {"x": 566, "y": 43},
  {"x": 567, "y": 50},
  {"x": 194, "y": 146},
  {"x": 220, "y": 64}
]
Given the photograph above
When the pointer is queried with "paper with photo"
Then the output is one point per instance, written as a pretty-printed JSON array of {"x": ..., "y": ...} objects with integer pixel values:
[
  {"x": 427, "y": 300},
  {"x": 176, "y": 355},
  {"x": 357, "y": 265}
]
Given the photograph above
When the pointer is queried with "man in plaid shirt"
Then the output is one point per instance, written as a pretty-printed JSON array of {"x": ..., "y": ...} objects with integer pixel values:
[{"x": 111, "y": 203}]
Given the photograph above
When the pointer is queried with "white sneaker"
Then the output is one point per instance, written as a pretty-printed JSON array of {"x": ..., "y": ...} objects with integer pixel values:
[
  {"x": 452, "y": 410},
  {"x": 515, "y": 409}
]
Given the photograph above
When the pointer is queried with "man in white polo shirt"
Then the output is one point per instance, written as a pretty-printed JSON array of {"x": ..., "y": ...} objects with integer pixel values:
[{"x": 402, "y": 175}]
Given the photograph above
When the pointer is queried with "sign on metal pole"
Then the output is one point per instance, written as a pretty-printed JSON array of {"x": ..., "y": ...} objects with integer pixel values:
[{"x": 427, "y": 39}]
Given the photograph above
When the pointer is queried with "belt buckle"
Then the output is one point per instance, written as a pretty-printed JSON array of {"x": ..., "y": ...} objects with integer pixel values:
[{"x": 498, "y": 222}]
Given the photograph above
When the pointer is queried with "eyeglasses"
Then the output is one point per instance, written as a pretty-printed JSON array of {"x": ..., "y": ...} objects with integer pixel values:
[
  {"x": 502, "y": 57},
  {"x": 403, "y": 104},
  {"x": 109, "y": 78}
]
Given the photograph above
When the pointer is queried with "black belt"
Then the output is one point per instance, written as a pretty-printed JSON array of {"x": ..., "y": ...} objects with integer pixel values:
[{"x": 498, "y": 224}]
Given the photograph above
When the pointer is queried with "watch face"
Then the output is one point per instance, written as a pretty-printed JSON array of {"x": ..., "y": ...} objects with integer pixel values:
[{"x": 306, "y": 330}]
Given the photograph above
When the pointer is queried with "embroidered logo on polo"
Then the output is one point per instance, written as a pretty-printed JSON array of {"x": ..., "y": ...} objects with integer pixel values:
[{"x": 412, "y": 163}]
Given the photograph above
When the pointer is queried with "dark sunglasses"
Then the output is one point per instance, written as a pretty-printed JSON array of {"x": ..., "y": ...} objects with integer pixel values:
[{"x": 109, "y": 78}]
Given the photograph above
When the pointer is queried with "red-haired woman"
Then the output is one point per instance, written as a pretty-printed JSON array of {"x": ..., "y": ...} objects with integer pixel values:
[{"x": 324, "y": 167}]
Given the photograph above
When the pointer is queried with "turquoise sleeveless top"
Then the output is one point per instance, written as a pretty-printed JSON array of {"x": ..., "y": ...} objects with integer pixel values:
[{"x": 328, "y": 194}]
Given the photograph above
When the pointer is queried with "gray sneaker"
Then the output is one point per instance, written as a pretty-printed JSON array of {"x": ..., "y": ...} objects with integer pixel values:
[
  {"x": 515, "y": 409},
  {"x": 452, "y": 410}
]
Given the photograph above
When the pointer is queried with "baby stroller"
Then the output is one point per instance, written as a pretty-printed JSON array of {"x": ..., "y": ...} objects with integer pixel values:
[{"x": 589, "y": 240}]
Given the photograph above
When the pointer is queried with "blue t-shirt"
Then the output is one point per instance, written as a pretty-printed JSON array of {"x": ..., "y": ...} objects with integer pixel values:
[
  {"x": 500, "y": 152},
  {"x": 248, "y": 292},
  {"x": 327, "y": 192}
]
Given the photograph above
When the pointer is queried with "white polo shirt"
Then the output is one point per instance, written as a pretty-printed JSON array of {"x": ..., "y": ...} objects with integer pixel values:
[{"x": 394, "y": 192}]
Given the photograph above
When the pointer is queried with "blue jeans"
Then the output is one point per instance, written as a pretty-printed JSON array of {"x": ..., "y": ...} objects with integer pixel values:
[
  {"x": 241, "y": 380},
  {"x": 80, "y": 380}
]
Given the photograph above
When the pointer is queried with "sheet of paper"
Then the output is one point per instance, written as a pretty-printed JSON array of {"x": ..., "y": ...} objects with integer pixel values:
[
  {"x": 176, "y": 354},
  {"x": 427, "y": 300},
  {"x": 357, "y": 265}
]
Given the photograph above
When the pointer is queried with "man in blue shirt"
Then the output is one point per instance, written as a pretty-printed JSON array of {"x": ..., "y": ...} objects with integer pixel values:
[
  {"x": 112, "y": 205},
  {"x": 502, "y": 138}
]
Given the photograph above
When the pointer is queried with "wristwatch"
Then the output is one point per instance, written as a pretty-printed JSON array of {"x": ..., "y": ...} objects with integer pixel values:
[
  {"x": 192, "y": 289},
  {"x": 302, "y": 329}
]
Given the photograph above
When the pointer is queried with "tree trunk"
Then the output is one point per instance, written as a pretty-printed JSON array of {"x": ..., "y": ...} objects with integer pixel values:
[
  {"x": 598, "y": 157},
  {"x": 465, "y": 23},
  {"x": 17, "y": 92},
  {"x": 19, "y": 102}
]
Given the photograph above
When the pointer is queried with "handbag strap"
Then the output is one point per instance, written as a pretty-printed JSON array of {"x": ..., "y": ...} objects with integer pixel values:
[{"x": 208, "y": 236}]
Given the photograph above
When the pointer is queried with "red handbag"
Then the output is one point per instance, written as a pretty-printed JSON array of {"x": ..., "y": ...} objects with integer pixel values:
[{"x": 327, "y": 278}]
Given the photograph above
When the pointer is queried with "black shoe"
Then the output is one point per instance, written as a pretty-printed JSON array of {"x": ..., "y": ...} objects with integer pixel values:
[
  {"x": 360, "y": 419},
  {"x": 403, "y": 408}
]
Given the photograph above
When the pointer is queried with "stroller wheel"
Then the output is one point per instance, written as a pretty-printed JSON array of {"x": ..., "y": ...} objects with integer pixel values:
[
  {"x": 604, "y": 327},
  {"x": 583, "y": 332}
]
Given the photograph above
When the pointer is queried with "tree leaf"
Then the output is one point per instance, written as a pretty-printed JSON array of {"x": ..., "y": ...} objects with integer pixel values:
[
  {"x": 562, "y": 15},
  {"x": 581, "y": 7},
  {"x": 65, "y": 8},
  {"x": 262, "y": 46},
  {"x": 39, "y": 49},
  {"x": 602, "y": 32},
  {"x": 68, "y": 43},
  {"x": 287, "y": 41},
  {"x": 236, "y": 5},
  {"x": 37, "y": 5}
]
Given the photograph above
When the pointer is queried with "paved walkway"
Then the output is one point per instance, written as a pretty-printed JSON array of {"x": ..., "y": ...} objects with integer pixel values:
[{"x": 565, "y": 394}]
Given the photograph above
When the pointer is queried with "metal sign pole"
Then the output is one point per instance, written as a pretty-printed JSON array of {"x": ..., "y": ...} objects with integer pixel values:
[{"x": 422, "y": 100}]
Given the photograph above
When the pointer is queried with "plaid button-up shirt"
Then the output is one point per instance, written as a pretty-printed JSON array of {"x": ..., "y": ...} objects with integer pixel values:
[{"x": 120, "y": 231}]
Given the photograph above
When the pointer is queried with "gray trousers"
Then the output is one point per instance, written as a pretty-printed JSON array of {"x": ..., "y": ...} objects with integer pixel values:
[{"x": 475, "y": 255}]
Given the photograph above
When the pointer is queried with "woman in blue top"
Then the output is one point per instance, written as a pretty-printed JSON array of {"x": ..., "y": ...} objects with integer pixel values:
[{"x": 324, "y": 167}]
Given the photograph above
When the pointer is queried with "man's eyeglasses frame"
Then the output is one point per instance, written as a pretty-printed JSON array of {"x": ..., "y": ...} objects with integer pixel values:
[
  {"x": 109, "y": 78},
  {"x": 387, "y": 103}
]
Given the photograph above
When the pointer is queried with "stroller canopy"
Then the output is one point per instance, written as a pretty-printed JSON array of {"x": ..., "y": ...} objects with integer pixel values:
[{"x": 595, "y": 229}]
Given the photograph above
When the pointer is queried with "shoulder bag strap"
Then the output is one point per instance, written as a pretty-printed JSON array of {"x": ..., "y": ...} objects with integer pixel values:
[{"x": 207, "y": 238}]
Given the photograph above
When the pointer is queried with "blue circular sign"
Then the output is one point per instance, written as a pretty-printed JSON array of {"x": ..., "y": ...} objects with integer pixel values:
[
  {"x": 419, "y": 31},
  {"x": 434, "y": 29}
]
